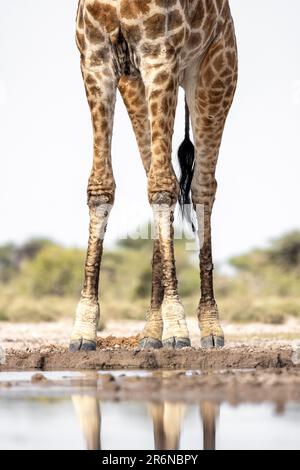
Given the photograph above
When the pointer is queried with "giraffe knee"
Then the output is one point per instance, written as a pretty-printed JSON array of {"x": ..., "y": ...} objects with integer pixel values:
[
  {"x": 204, "y": 191},
  {"x": 163, "y": 198},
  {"x": 100, "y": 191},
  {"x": 95, "y": 201},
  {"x": 163, "y": 189}
]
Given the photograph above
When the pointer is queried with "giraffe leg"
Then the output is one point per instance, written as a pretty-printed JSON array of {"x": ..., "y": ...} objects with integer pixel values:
[
  {"x": 152, "y": 334},
  {"x": 161, "y": 84},
  {"x": 100, "y": 85},
  {"x": 210, "y": 90},
  {"x": 133, "y": 93}
]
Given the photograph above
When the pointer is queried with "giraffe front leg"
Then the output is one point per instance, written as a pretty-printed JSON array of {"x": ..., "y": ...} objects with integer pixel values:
[
  {"x": 87, "y": 317},
  {"x": 132, "y": 90},
  {"x": 161, "y": 82},
  {"x": 100, "y": 85},
  {"x": 151, "y": 337},
  {"x": 175, "y": 331}
]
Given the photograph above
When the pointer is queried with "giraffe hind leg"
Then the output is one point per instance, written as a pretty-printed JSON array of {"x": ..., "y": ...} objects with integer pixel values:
[{"x": 210, "y": 89}]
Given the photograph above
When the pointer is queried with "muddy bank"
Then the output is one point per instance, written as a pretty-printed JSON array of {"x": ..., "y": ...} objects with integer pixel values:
[{"x": 123, "y": 356}]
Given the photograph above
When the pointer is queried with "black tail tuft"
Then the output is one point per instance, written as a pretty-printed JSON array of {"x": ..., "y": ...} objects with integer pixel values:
[{"x": 186, "y": 158}]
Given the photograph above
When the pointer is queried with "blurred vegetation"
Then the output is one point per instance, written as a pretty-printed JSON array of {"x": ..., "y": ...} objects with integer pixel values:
[{"x": 41, "y": 281}]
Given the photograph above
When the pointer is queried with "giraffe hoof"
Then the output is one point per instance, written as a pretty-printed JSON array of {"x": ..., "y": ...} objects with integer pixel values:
[
  {"x": 169, "y": 343},
  {"x": 150, "y": 343},
  {"x": 88, "y": 345},
  {"x": 75, "y": 346},
  {"x": 183, "y": 343},
  {"x": 176, "y": 343},
  {"x": 212, "y": 341},
  {"x": 82, "y": 345}
]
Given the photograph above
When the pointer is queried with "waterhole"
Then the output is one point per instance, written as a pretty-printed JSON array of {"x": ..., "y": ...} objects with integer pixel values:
[{"x": 84, "y": 410}]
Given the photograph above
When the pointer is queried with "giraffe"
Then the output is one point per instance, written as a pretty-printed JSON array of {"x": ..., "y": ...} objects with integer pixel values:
[{"x": 147, "y": 49}]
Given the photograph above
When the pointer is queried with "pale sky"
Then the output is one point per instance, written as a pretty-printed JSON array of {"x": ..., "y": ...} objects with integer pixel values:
[{"x": 46, "y": 136}]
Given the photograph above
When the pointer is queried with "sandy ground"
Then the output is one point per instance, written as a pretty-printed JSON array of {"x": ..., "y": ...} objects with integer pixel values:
[
  {"x": 22, "y": 337},
  {"x": 44, "y": 346}
]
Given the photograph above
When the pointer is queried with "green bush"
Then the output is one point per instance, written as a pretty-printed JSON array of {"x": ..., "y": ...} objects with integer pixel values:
[
  {"x": 8, "y": 262},
  {"x": 285, "y": 252},
  {"x": 42, "y": 280},
  {"x": 54, "y": 271}
]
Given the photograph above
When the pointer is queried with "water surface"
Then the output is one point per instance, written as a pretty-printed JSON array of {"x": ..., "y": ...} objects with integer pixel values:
[{"x": 79, "y": 421}]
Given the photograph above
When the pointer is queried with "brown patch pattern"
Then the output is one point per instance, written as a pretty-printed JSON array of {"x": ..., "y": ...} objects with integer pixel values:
[{"x": 146, "y": 49}]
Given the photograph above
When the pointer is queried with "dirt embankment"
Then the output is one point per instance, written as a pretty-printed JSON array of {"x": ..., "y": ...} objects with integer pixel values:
[
  {"x": 123, "y": 353},
  {"x": 45, "y": 347}
]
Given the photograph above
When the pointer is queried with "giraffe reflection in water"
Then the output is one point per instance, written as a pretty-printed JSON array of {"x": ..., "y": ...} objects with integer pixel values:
[
  {"x": 210, "y": 413},
  {"x": 87, "y": 409},
  {"x": 167, "y": 421}
]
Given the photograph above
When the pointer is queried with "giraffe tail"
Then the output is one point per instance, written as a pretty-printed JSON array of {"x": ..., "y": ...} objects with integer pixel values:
[{"x": 186, "y": 158}]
